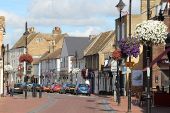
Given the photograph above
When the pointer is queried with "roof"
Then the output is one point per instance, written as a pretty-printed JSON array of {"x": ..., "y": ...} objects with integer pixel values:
[
  {"x": 30, "y": 37},
  {"x": 44, "y": 55},
  {"x": 101, "y": 41},
  {"x": 53, "y": 55},
  {"x": 76, "y": 44},
  {"x": 36, "y": 60}
]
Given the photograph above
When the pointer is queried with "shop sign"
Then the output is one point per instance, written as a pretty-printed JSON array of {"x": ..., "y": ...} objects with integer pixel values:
[{"x": 113, "y": 65}]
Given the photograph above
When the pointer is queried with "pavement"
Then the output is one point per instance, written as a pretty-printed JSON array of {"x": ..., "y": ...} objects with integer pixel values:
[
  {"x": 55, "y": 103},
  {"x": 135, "y": 108},
  {"x": 18, "y": 103},
  {"x": 52, "y": 103}
]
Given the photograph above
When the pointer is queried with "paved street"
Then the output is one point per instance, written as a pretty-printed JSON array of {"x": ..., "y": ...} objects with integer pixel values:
[{"x": 54, "y": 103}]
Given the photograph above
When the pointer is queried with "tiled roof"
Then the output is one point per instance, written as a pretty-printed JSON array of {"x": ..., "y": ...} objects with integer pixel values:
[
  {"x": 101, "y": 41},
  {"x": 30, "y": 37},
  {"x": 36, "y": 60},
  {"x": 44, "y": 55},
  {"x": 53, "y": 55}
]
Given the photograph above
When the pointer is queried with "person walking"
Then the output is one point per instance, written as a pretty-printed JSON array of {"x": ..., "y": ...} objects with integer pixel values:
[{"x": 11, "y": 88}]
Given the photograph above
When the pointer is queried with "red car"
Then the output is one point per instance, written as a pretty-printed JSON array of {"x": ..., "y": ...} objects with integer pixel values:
[{"x": 56, "y": 88}]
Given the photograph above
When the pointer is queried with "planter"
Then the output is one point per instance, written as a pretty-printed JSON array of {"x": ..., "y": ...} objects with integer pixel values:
[
  {"x": 26, "y": 57},
  {"x": 151, "y": 32}
]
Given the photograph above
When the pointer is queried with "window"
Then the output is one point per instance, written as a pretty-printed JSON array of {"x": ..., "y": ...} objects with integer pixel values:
[
  {"x": 64, "y": 62},
  {"x": 123, "y": 31},
  {"x": 118, "y": 33},
  {"x": 39, "y": 40}
]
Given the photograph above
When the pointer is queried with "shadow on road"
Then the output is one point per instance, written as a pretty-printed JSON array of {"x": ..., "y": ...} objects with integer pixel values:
[
  {"x": 103, "y": 103},
  {"x": 90, "y": 100},
  {"x": 108, "y": 110}
]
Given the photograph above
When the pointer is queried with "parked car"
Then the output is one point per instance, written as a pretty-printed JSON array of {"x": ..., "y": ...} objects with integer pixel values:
[
  {"x": 18, "y": 88},
  {"x": 71, "y": 88},
  {"x": 82, "y": 89},
  {"x": 46, "y": 88},
  {"x": 68, "y": 88},
  {"x": 56, "y": 88},
  {"x": 38, "y": 87}
]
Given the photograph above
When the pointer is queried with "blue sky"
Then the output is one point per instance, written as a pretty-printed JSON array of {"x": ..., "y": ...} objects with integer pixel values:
[{"x": 75, "y": 17}]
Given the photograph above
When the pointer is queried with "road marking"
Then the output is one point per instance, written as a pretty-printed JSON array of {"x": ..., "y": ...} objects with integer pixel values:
[
  {"x": 42, "y": 107},
  {"x": 83, "y": 96},
  {"x": 107, "y": 107}
]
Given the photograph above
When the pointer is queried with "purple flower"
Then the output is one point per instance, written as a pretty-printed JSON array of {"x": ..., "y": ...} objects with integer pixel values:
[{"x": 130, "y": 46}]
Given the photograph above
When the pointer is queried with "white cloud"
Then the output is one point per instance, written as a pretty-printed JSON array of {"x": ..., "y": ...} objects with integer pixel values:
[
  {"x": 86, "y": 32},
  {"x": 91, "y": 14},
  {"x": 12, "y": 19},
  {"x": 76, "y": 12},
  {"x": 14, "y": 26}
]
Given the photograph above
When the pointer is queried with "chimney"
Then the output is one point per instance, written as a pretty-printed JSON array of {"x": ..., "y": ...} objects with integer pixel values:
[
  {"x": 92, "y": 37},
  {"x": 31, "y": 30},
  {"x": 56, "y": 31}
]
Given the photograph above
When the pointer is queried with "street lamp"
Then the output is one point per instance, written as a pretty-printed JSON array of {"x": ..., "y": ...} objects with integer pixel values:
[
  {"x": 168, "y": 54},
  {"x": 129, "y": 91},
  {"x": 148, "y": 51},
  {"x": 76, "y": 65},
  {"x": 120, "y": 7},
  {"x": 3, "y": 53},
  {"x": 26, "y": 77}
]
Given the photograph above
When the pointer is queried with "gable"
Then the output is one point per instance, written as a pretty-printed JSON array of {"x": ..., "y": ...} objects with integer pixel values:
[
  {"x": 64, "y": 51},
  {"x": 108, "y": 45},
  {"x": 100, "y": 43}
]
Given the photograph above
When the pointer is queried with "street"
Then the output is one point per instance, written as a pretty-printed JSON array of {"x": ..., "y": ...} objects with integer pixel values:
[{"x": 55, "y": 103}]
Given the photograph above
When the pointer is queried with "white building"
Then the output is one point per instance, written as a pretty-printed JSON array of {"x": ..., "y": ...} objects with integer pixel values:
[{"x": 72, "y": 49}]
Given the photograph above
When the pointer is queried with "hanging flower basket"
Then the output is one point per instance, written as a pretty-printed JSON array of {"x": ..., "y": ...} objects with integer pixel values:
[
  {"x": 151, "y": 32},
  {"x": 130, "y": 46},
  {"x": 117, "y": 54},
  {"x": 8, "y": 68},
  {"x": 26, "y": 57}
]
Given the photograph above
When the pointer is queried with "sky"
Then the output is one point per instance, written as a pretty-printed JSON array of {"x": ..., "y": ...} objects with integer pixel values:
[{"x": 74, "y": 17}]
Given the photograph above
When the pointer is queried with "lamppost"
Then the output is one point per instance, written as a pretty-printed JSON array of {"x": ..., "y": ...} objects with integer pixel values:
[
  {"x": 129, "y": 84},
  {"x": 76, "y": 66},
  {"x": 168, "y": 54},
  {"x": 26, "y": 77},
  {"x": 3, "y": 53},
  {"x": 120, "y": 7},
  {"x": 148, "y": 48}
]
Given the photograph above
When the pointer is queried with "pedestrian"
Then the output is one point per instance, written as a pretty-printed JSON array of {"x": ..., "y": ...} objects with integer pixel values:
[
  {"x": 7, "y": 87},
  {"x": 11, "y": 92},
  {"x": 11, "y": 89}
]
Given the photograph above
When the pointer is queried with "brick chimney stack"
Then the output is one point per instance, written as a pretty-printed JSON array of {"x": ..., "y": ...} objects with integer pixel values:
[{"x": 56, "y": 31}]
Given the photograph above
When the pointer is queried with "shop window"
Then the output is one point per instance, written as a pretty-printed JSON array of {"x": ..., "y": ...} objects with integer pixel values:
[{"x": 156, "y": 79}]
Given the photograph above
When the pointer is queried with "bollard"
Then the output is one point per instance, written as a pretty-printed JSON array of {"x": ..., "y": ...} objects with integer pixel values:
[
  {"x": 40, "y": 93},
  {"x": 33, "y": 91},
  {"x": 25, "y": 93}
]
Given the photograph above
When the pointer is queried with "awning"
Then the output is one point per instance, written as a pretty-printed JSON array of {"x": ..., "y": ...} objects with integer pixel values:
[{"x": 158, "y": 58}]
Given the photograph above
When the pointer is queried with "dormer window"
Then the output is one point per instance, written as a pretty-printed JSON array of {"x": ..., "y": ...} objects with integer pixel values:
[{"x": 38, "y": 40}]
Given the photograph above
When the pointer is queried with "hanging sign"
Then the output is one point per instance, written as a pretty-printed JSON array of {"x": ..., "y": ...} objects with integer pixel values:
[{"x": 113, "y": 65}]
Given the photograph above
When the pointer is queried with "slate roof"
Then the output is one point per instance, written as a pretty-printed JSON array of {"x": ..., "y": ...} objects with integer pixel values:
[
  {"x": 76, "y": 44},
  {"x": 100, "y": 41},
  {"x": 54, "y": 55}
]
